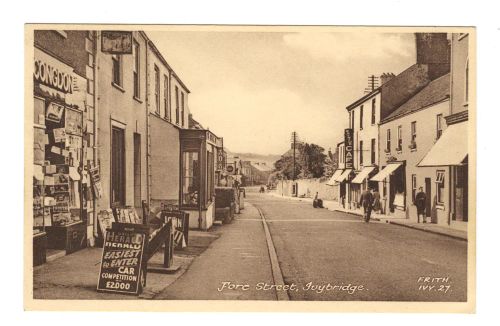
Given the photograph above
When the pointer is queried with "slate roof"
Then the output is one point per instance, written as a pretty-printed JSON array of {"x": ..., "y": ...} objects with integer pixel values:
[{"x": 436, "y": 91}]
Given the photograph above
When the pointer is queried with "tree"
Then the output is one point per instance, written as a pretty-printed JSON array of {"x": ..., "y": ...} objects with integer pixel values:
[{"x": 310, "y": 162}]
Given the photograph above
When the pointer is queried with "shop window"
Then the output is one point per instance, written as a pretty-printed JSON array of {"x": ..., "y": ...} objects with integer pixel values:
[
  {"x": 118, "y": 167},
  {"x": 117, "y": 69},
  {"x": 361, "y": 152},
  {"x": 439, "y": 126},
  {"x": 190, "y": 178},
  {"x": 373, "y": 151},
  {"x": 210, "y": 176},
  {"x": 136, "y": 70},
  {"x": 440, "y": 187},
  {"x": 176, "y": 105},
  {"x": 388, "y": 141},
  {"x": 361, "y": 117},
  {"x": 157, "y": 90},
  {"x": 374, "y": 107},
  {"x": 413, "y": 187},
  {"x": 165, "y": 97},
  {"x": 39, "y": 111}
]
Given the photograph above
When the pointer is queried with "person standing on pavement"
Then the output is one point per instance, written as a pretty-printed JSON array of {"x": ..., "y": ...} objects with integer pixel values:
[
  {"x": 366, "y": 201},
  {"x": 376, "y": 201},
  {"x": 420, "y": 200}
]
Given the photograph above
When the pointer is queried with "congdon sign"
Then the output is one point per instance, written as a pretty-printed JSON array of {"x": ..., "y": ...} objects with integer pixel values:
[{"x": 52, "y": 76}]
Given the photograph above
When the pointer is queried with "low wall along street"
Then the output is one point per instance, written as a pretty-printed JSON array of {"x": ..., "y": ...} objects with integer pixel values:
[{"x": 308, "y": 188}]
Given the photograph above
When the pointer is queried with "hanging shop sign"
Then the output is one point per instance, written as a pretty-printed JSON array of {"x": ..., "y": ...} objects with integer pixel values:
[
  {"x": 220, "y": 160},
  {"x": 53, "y": 76},
  {"x": 116, "y": 42},
  {"x": 229, "y": 169},
  {"x": 121, "y": 263},
  {"x": 349, "y": 148}
]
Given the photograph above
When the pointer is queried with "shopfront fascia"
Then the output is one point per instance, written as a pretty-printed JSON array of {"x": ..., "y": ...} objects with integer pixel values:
[
  {"x": 60, "y": 189},
  {"x": 198, "y": 176}
]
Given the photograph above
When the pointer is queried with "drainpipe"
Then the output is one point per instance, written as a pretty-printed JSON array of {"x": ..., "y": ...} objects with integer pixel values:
[
  {"x": 450, "y": 193},
  {"x": 96, "y": 120},
  {"x": 148, "y": 142}
]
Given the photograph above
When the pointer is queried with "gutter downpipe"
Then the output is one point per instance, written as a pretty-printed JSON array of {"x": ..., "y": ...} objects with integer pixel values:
[
  {"x": 96, "y": 120},
  {"x": 148, "y": 152}
]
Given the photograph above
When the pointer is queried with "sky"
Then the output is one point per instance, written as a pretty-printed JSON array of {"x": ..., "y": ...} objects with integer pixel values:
[{"x": 254, "y": 88}]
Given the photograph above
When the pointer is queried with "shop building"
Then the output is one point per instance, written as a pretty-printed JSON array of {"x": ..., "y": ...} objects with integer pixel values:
[
  {"x": 200, "y": 170},
  {"x": 451, "y": 152},
  {"x": 122, "y": 124},
  {"x": 63, "y": 141},
  {"x": 167, "y": 102},
  {"x": 339, "y": 181},
  {"x": 406, "y": 136}
]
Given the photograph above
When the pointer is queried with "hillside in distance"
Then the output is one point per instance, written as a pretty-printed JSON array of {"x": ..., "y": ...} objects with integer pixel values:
[{"x": 269, "y": 159}]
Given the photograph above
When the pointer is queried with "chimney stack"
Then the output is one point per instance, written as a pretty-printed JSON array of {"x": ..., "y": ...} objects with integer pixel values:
[
  {"x": 385, "y": 77},
  {"x": 432, "y": 48}
]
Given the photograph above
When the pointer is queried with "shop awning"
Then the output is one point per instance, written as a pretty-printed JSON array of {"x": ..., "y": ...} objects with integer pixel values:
[
  {"x": 335, "y": 176},
  {"x": 450, "y": 149},
  {"x": 38, "y": 172},
  {"x": 363, "y": 174},
  {"x": 391, "y": 167},
  {"x": 344, "y": 175}
]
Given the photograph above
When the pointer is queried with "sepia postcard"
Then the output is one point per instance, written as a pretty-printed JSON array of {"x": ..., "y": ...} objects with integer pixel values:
[{"x": 250, "y": 168}]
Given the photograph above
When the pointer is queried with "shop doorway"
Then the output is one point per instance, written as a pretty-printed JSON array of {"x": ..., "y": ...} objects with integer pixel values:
[
  {"x": 117, "y": 167},
  {"x": 461, "y": 193},
  {"x": 428, "y": 199},
  {"x": 137, "y": 172}
]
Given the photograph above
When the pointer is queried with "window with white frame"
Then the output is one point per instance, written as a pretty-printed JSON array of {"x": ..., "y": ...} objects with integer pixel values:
[
  {"x": 413, "y": 187},
  {"x": 176, "y": 105},
  {"x": 467, "y": 82},
  {"x": 165, "y": 97},
  {"x": 413, "y": 144},
  {"x": 388, "y": 141},
  {"x": 374, "y": 107},
  {"x": 361, "y": 117},
  {"x": 400, "y": 138},
  {"x": 440, "y": 187},
  {"x": 182, "y": 109},
  {"x": 137, "y": 61},
  {"x": 439, "y": 126},
  {"x": 361, "y": 152},
  {"x": 373, "y": 151},
  {"x": 157, "y": 89},
  {"x": 116, "y": 69}
]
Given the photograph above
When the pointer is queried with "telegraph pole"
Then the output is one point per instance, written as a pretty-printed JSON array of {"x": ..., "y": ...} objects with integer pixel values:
[
  {"x": 294, "y": 142},
  {"x": 372, "y": 84}
]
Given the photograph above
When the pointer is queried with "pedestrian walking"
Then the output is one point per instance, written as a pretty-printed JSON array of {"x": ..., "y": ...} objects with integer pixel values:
[
  {"x": 366, "y": 201},
  {"x": 420, "y": 200},
  {"x": 376, "y": 201}
]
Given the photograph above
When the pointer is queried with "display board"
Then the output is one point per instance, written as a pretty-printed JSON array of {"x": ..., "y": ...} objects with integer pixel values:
[{"x": 122, "y": 259}]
